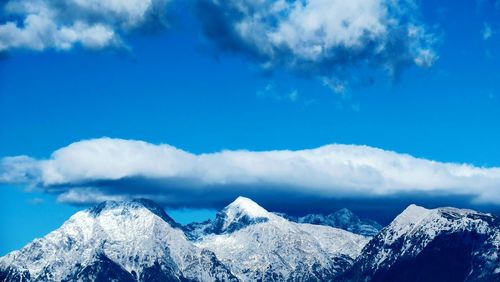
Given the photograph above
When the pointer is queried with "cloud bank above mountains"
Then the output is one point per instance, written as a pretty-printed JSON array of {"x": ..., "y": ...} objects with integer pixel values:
[{"x": 94, "y": 170}]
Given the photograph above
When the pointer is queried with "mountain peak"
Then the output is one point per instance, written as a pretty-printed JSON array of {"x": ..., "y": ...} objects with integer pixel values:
[
  {"x": 237, "y": 215},
  {"x": 133, "y": 205},
  {"x": 240, "y": 213},
  {"x": 246, "y": 206},
  {"x": 415, "y": 214},
  {"x": 114, "y": 241},
  {"x": 412, "y": 213}
]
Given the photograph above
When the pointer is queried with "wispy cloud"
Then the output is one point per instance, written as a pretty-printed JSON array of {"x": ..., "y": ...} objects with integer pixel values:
[
  {"x": 93, "y": 170},
  {"x": 271, "y": 91},
  {"x": 487, "y": 32},
  {"x": 51, "y": 24},
  {"x": 36, "y": 201}
]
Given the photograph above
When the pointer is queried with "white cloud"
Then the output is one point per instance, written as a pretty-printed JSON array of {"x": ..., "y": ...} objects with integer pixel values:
[
  {"x": 61, "y": 25},
  {"x": 180, "y": 176},
  {"x": 320, "y": 36},
  {"x": 313, "y": 27}
]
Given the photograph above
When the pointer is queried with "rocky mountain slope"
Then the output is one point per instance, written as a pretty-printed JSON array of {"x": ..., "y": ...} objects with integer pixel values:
[
  {"x": 115, "y": 241},
  {"x": 137, "y": 241},
  {"x": 444, "y": 244},
  {"x": 267, "y": 247}
]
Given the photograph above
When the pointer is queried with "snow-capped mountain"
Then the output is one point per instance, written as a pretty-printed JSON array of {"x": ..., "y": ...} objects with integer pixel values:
[
  {"x": 240, "y": 213},
  {"x": 263, "y": 246},
  {"x": 343, "y": 219},
  {"x": 137, "y": 241},
  {"x": 444, "y": 244},
  {"x": 115, "y": 241}
]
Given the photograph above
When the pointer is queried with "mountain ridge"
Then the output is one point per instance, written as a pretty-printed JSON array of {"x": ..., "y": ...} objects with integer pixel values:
[
  {"x": 344, "y": 219},
  {"x": 138, "y": 241}
]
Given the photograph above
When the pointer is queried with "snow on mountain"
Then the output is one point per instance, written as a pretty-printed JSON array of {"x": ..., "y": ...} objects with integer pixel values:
[
  {"x": 444, "y": 244},
  {"x": 122, "y": 241},
  {"x": 343, "y": 219},
  {"x": 267, "y": 247},
  {"x": 138, "y": 241},
  {"x": 243, "y": 207},
  {"x": 240, "y": 213}
]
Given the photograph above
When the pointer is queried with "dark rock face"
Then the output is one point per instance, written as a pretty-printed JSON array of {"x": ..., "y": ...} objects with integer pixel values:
[
  {"x": 447, "y": 258},
  {"x": 160, "y": 272},
  {"x": 12, "y": 274},
  {"x": 101, "y": 269},
  {"x": 234, "y": 226},
  {"x": 196, "y": 230},
  {"x": 220, "y": 272}
]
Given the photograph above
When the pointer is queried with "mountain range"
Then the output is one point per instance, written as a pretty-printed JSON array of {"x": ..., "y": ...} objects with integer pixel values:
[{"x": 137, "y": 241}]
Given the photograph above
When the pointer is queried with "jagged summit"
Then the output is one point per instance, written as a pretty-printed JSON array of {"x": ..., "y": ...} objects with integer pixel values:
[
  {"x": 133, "y": 204},
  {"x": 343, "y": 219}
]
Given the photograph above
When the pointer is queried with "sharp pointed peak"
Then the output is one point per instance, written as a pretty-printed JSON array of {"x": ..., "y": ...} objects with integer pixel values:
[
  {"x": 246, "y": 206},
  {"x": 239, "y": 214}
]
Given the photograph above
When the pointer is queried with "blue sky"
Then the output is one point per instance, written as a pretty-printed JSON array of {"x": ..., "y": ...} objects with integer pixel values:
[{"x": 173, "y": 86}]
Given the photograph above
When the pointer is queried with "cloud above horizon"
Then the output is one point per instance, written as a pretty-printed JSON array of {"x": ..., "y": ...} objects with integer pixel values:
[
  {"x": 314, "y": 37},
  {"x": 91, "y": 171},
  {"x": 340, "y": 43},
  {"x": 62, "y": 25},
  {"x": 321, "y": 37}
]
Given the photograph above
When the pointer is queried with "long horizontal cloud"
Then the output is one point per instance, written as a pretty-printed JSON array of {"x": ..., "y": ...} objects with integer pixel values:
[
  {"x": 95, "y": 24},
  {"x": 321, "y": 37},
  {"x": 94, "y": 170}
]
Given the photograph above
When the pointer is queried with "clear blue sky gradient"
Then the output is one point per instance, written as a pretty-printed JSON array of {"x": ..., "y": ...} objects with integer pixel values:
[{"x": 171, "y": 89}]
